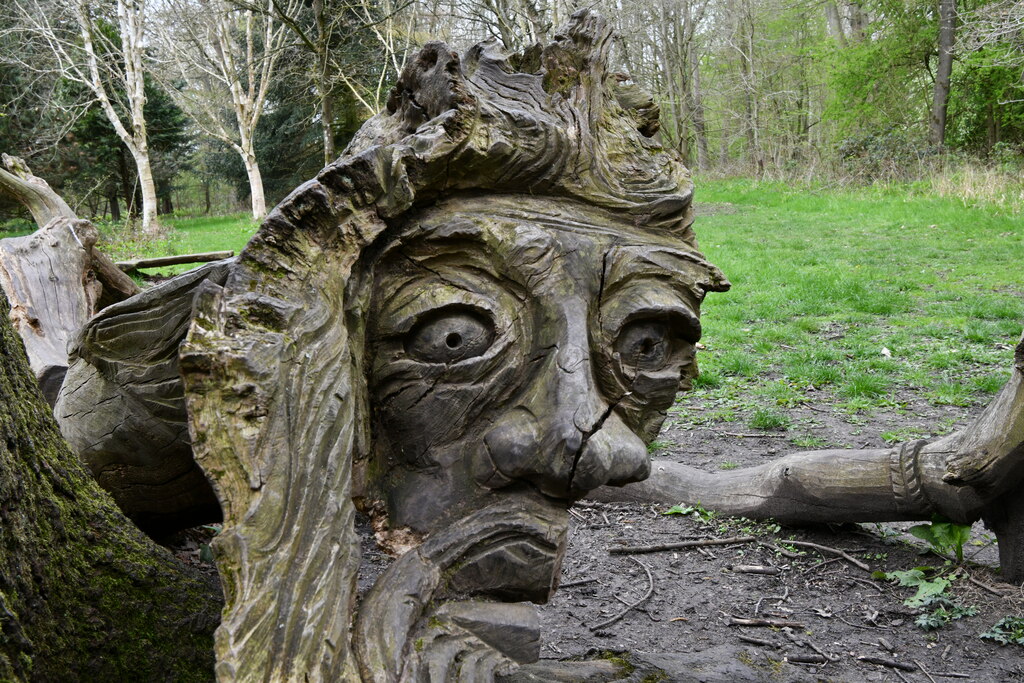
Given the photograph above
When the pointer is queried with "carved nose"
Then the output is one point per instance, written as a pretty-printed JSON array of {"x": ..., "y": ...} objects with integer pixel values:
[{"x": 565, "y": 437}]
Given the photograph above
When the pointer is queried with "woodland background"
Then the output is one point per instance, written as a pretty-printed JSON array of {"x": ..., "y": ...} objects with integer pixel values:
[{"x": 140, "y": 108}]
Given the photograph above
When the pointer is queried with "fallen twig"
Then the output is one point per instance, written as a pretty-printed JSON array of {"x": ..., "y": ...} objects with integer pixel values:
[
  {"x": 806, "y": 659},
  {"x": 753, "y": 569},
  {"x": 924, "y": 670},
  {"x": 950, "y": 674},
  {"x": 680, "y": 545},
  {"x": 578, "y": 582},
  {"x": 835, "y": 551},
  {"x": 883, "y": 661},
  {"x": 781, "y": 598},
  {"x": 758, "y": 641},
  {"x": 780, "y": 550},
  {"x": 985, "y": 586},
  {"x": 776, "y": 623},
  {"x": 743, "y": 435},
  {"x": 634, "y": 605}
]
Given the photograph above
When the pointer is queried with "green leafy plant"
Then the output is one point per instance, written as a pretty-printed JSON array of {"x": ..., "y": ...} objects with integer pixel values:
[
  {"x": 697, "y": 510},
  {"x": 943, "y": 536},
  {"x": 927, "y": 589},
  {"x": 1006, "y": 631},
  {"x": 944, "y": 611},
  {"x": 939, "y": 608}
]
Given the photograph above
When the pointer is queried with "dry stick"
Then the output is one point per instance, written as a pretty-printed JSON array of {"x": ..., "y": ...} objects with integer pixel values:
[
  {"x": 578, "y": 582},
  {"x": 985, "y": 586},
  {"x": 741, "y": 435},
  {"x": 950, "y": 674},
  {"x": 891, "y": 663},
  {"x": 781, "y": 598},
  {"x": 807, "y": 659},
  {"x": 835, "y": 551},
  {"x": 638, "y": 549},
  {"x": 867, "y": 583},
  {"x": 901, "y": 676},
  {"x": 777, "y": 623},
  {"x": 757, "y": 641},
  {"x": 780, "y": 550},
  {"x": 924, "y": 671},
  {"x": 754, "y": 569},
  {"x": 647, "y": 595}
]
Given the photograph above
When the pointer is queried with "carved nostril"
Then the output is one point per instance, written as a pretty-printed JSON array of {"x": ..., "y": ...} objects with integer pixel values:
[{"x": 453, "y": 340}]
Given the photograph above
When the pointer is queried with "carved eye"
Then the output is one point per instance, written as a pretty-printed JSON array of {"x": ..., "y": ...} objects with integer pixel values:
[
  {"x": 645, "y": 344},
  {"x": 450, "y": 335}
]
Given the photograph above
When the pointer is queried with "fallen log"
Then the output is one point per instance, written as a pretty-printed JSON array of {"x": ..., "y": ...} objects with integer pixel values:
[{"x": 160, "y": 261}]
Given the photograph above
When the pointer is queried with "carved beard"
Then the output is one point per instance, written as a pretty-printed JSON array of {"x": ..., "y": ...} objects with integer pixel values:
[{"x": 520, "y": 353}]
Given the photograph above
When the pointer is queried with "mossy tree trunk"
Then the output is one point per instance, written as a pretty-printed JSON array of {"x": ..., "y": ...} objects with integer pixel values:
[{"x": 84, "y": 595}]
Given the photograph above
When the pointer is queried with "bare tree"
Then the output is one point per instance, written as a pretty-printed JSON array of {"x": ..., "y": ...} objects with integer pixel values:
[
  {"x": 947, "y": 40},
  {"x": 224, "y": 59},
  {"x": 99, "y": 46}
]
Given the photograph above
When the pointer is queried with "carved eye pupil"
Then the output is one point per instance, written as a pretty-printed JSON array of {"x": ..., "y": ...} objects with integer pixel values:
[
  {"x": 450, "y": 335},
  {"x": 645, "y": 344}
]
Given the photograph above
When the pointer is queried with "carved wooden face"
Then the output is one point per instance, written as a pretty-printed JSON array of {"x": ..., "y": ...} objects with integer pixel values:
[{"x": 521, "y": 347}]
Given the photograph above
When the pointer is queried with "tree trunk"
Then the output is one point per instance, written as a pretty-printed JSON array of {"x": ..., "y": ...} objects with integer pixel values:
[
  {"x": 85, "y": 595},
  {"x": 147, "y": 187},
  {"x": 699, "y": 125},
  {"x": 252, "y": 169},
  {"x": 940, "y": 99},
  {"x": 54, "y": 278},
  {"x": 835, "y": 24}
]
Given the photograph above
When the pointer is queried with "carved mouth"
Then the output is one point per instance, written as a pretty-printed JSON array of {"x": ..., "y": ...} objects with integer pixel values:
[{"x": 511, "y": 550}]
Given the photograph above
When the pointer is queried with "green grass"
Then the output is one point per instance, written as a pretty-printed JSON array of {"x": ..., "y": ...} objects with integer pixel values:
[
  {"x": 860, "y": 299},
  {"x": 180, "y": 236}
]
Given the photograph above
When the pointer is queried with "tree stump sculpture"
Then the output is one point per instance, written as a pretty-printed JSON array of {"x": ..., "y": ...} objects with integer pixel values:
[{"x": 478, "y": 314}]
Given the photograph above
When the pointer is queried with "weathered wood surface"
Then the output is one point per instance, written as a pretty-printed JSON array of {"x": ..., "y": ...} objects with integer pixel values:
[
  {"x": 122, "y": 407},
  {"x": 32, "y": 192},
  {"x": 48, "y": 278},
  {"x": 160, "y": 261},
  {"x": 55, "y": 279}
]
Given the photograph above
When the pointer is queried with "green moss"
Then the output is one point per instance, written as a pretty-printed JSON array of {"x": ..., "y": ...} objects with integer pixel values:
[{"x": 624, "y": 666}]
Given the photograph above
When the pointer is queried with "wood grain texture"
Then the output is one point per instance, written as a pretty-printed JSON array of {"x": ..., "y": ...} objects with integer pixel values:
[{"x": 122, "y": 405}]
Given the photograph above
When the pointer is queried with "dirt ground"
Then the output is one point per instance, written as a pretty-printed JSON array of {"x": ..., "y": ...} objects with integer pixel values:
[{"x": 840, "y": 617}]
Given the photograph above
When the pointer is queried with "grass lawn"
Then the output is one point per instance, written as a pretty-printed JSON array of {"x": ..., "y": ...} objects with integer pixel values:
[
  {"x": 182, "y": 236},
  {"x": 854, "y": 299}
]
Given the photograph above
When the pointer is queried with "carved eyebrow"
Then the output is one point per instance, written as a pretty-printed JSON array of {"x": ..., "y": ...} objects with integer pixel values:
[{"x": 684, "y": 270}]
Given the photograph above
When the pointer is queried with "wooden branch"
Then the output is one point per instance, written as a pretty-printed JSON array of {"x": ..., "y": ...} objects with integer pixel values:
[
  {"x": 834, "y": 551},
  {"x": 160, "y": 261},
  {"x": 637, "y": 549}
]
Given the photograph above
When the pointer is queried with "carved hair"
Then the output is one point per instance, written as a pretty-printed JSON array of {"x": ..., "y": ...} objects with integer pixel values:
[{"x": 273, "y": 376}]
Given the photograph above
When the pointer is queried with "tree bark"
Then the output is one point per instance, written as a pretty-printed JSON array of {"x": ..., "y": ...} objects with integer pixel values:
[
  {"x": 940, "y": 99},
  {"x": 84, "y": 595},
  {"x": 258, "y": 200}
]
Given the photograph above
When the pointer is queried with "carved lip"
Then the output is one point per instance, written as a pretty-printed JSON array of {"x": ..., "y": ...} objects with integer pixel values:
[{"x": 511, "y": 550}]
